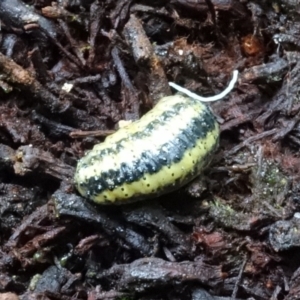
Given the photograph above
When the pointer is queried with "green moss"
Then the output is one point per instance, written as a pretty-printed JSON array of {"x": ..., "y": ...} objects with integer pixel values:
[
  {"x": 224, "y": 214},
  {"x": 268, "y": 181},
  {"x": 253, "y": 191}
]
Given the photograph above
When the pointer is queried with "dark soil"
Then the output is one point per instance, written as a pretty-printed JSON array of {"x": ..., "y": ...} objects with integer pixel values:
[{"x": 234, "y": 233}]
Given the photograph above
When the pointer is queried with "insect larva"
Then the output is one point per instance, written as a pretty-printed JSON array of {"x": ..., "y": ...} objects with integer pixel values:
[{"x": 165, "y": 149}]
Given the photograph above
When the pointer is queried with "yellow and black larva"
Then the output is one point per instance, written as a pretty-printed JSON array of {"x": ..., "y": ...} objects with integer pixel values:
[{"x": 165, "y": 149}]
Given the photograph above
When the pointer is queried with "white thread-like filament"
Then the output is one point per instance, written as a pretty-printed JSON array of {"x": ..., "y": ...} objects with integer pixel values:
[{"x": 207, "y": 99}]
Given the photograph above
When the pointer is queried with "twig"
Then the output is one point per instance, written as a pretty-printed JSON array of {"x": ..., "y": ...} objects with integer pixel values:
[
  {"x": 19, "y": 77},
  {"x": 83, "y": 134},
  {"x": 250, "y": 140},
  {"x": 238, "y": 280}
]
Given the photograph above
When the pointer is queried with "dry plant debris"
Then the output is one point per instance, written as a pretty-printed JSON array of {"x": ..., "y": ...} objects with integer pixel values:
[{"x": 70, "y": 71}]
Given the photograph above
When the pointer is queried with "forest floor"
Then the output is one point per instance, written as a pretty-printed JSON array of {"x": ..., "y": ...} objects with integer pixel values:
[{"x": 70, "y": 71}]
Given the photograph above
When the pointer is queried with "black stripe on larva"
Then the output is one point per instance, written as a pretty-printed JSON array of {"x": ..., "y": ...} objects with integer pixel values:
[
  {"x": 154, "y": 125},
  {"x": 150, "y": 163}
]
